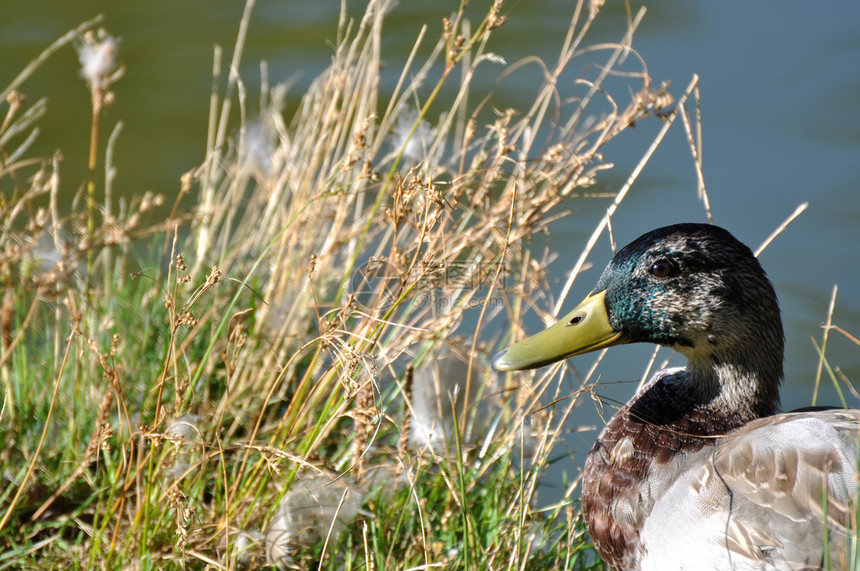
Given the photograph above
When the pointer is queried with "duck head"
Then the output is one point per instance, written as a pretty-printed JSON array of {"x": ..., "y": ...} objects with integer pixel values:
[{"x": 691, "y": 287}]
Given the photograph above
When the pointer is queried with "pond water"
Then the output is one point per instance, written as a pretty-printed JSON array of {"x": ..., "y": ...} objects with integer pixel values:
[{"x": 780, "y": 98}]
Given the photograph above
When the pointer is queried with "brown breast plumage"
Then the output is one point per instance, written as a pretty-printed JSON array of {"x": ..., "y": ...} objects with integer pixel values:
[{"x": 617, "y": 484}]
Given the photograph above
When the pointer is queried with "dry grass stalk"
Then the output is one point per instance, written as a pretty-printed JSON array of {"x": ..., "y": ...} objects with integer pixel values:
[
  {"x": 347, "y": 248},
  {"x": 433, "y": 223}
]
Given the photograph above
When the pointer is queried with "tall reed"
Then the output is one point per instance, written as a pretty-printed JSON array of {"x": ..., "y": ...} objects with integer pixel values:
[{"x": 256, "y": 399}]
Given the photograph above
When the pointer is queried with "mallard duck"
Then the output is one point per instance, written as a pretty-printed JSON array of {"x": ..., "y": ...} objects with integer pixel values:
[{"x": 700, "y": 470}]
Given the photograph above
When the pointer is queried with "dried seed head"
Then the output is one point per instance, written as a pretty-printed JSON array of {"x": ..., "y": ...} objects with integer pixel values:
[
  {"x": 314, "y": 507},
  {"x": 98, "y": 56},
  {"x": 214, "y": 276},
  {"x": 496, "y": 19}
]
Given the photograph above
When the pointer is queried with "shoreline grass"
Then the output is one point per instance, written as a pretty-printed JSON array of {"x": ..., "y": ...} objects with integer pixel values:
[{"x": 300, "y": 380}]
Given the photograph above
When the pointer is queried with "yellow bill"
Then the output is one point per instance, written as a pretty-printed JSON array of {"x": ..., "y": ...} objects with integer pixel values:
[{"x": 584, "y": 329}]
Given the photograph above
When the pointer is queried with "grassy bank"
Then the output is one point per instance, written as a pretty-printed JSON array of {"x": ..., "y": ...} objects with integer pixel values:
[{"x": 293, "y": 371}]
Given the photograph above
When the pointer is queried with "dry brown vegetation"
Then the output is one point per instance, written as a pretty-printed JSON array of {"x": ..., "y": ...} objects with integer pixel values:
[{"x": 305, "y": 382}]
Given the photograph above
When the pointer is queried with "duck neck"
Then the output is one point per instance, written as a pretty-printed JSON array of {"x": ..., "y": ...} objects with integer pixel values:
[{"x": 745, "y": 386}]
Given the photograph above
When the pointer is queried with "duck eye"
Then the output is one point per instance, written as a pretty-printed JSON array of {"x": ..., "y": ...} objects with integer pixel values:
[{"x": 662, "y": 268}]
